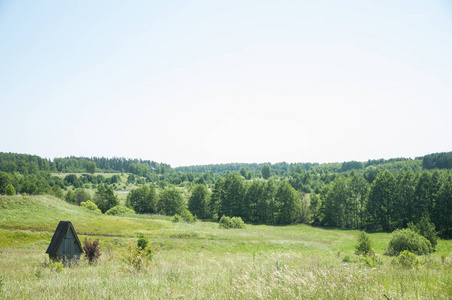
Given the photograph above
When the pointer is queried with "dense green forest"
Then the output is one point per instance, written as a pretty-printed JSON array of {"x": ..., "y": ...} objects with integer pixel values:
[{"x": 377, "y": 194}]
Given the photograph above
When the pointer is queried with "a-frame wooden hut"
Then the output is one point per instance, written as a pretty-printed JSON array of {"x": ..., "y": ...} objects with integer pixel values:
[{"x": 65, "y": 244}]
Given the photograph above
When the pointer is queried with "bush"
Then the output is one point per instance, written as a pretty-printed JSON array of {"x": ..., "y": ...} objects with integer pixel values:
[
  {"x": 137, "y": 257},
  {"x": 369, "y": 260},
  {"x": 426, "y": 229},
  {"x": 406, "y": 239},
  {"x": 406, "y": 259},
  {"x": 234, "y": 222},
  {"x": 92, "y": 251},
  {"x": 188, "y": 217},
  {"x": 176, "y": 218},
  {"x": 10, "y": 190},
  {"x": 348, "y": 259},
  {"x": 81, "y": 196},
  {"x": 70, "y": 197},
  {"x": 364, "y": 244},
  {"x": 119, "y": 210},
  {"x": 90, "y": 205},
  {"x": 142, "y": 241},
  {"x": 56, "y": 266},
  {"x": 57, "y": 191}
]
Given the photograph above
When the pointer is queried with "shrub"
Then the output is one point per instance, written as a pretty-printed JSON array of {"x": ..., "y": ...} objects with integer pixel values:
[
  {"x": 348, "y": 259},
  {"x": 81, "y": 196},
  {"x": 10, "y": 190},
  {"x": 137, "y": 257},
  {"x": 57, "y": 191},
  {"x": 188, "y": 217},
  {"x": 364, "y": 244},
  {"x": 92, "y": 251},
  {"x": 176, "y": 218},
  {"x": 90, "y": 205},
  {"x": 237, "y": 222},
  {"x": 57, "y": 266},
  {"x": 234, "y": 222},
  {"x": 369, "y": 260},
  {"x": 406, "y": 259},
  {"x": 426, "y": 229},
  {"x": 70, "y": 197},
  {"x": 142, "y": 241},
  {"x": 119, "y": 210},
  {"x": 406, "y": 239}
]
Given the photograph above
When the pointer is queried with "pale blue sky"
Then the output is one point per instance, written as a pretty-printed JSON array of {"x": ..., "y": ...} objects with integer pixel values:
[{"x": 198, "y": 82}]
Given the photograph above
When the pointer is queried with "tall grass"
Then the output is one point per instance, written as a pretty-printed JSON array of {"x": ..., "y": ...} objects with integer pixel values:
[
  {"x": 202, "y": 261},
  {"x": 204, "y": 275}
]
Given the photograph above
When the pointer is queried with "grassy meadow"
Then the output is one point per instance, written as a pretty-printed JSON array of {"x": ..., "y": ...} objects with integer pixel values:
[{"x": 202, "y": 261}]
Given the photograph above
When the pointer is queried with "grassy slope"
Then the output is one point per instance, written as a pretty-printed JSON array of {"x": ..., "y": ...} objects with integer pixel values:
[
  {"x": 42, "y": 213},
  {"x": 200, "y": 260}
]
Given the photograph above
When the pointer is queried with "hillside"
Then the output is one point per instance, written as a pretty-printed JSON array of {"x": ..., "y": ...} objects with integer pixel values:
[
  {"x": 41, "y": 214},
  {"x": 202, "y": 261}
]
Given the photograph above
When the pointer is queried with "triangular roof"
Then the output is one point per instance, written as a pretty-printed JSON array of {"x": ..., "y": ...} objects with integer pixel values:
[{"x": 59, "y": 236}]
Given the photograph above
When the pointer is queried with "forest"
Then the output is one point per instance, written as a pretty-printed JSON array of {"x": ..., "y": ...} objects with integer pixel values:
[{"x": 380, "y": 195}]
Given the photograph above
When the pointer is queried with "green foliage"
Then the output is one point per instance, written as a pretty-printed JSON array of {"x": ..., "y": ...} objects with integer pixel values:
[
  {"x": 71, "y": 179},
  {"x": 348, "y": 259},
  {"x": 188, "y": 217},
  {"x": 142, "y": 242},
  {"x": 92, "y": 251},
  {"x": 214, "y": 204},
  {"x": 137, "y": 257},
  {"x": 442, "y": 214},
  {"x": 406, "y": 239},
  {"x": 56, "y": 266},
  {"x": 6, "y": 179},
  {"x": 91, "y": 206},
  {"x": 351, "y": 165},
  {"x": 241, "y": 259},
  {"x": 441, "y": 160},
  {"x": 406, "y": 259},
  {"x": 364, "y": 244},
  {"x": 143, "y": 200},
  {"x": 254, "y": 195},
  {"x": 70, "y": 197},
  {"x": 90, "y": 167},
  {"x": 368, "y": 260},
  {"x": 266, "y": 171},
  {"x": 10, "y": 190},
  {"x": 105, "y": 198},
  {"x": 287, "y": 201},
  {"x": 57, "y": 191},
  {"x": 176, "y": 218},
  {"x": 198, "y": 201},
  {"x": 381, "y": 201},
  {"x": 170, "y": 202},
  {"x": 119, "y": 210},
  {"x": 231, "y": 223},
  {"x": 232, "y": 195},
  {"x": 426, "y": 229},
  {"x": 81, "y": 196}
]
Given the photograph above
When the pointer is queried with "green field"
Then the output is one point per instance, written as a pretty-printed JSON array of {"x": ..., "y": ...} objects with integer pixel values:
[{"x": 202, "y": 261}]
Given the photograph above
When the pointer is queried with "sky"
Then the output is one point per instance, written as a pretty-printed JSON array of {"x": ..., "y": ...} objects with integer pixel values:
[{"x": 205, "y": 82}]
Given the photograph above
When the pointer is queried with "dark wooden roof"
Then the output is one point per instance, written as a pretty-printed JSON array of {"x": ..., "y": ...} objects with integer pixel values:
[{"x": 59, "y": 235}]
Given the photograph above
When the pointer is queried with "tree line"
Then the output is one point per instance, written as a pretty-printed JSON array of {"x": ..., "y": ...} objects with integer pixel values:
[
  {"x": 387, "y": 203},
  {"x": 379, "y": 194}
]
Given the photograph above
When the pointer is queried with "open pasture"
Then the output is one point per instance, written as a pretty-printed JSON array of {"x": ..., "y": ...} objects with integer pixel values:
[{"x": 202, "y": 261}]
